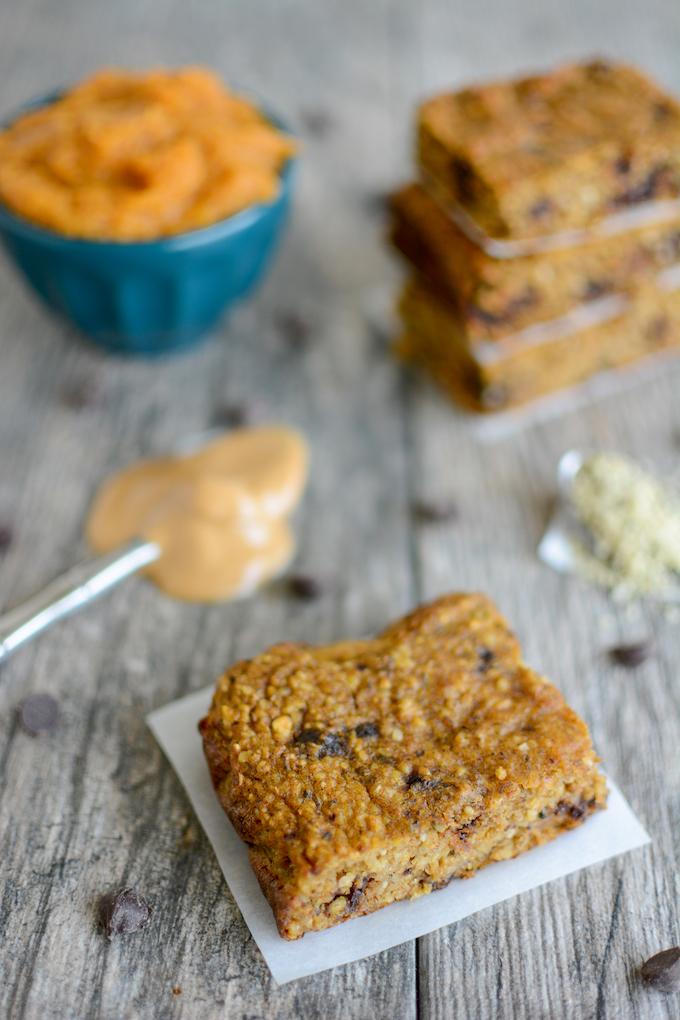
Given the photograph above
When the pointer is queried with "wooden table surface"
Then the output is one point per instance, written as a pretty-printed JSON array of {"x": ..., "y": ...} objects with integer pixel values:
[{"x": 95, "y": 804}]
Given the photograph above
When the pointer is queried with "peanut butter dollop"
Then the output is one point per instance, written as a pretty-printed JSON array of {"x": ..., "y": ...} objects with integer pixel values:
[{"x": 219, "y": 515}]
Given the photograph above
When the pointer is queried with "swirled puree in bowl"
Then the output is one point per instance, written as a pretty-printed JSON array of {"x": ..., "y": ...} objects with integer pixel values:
[
  {"x": 131, "y": 156},
  {"x": 219, "y": 516}
]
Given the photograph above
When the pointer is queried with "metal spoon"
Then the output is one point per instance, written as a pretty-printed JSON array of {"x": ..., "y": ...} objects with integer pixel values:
[
  {"x": 555, "y": 548},
  {"x": 71, "y": 591}
]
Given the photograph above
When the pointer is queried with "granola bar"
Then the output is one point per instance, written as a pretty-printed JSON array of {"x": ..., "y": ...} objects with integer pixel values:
[
  {"x": 553, "y": 152},
  {"x": 373, "y": 771}
]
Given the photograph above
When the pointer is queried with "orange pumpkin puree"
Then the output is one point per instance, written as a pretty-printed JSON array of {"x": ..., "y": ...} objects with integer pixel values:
[{"x": 134, "y": 156}]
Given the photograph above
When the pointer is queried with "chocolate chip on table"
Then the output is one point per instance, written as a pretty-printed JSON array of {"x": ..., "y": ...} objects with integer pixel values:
[
  {"x": 304, "y": 586},
  {"x": 631, "y": 655},
  {"x": 434, "y": 511},
  {"x": 377, "y": 202},
  {"x": 662, "y": 971},
  {"x": 38, "y": 713},
  {"x": 124, "y": 912},
  {"x": 80, "y": 394},
  {"x": 293, "y": 328},
  {"x": 230, "y": 416},
  {"x": 237, "y": 414},
  {"x": 317, "y": 121},
  {"x": 367, "y": 729},
  {"x": 6, "y": 537}
]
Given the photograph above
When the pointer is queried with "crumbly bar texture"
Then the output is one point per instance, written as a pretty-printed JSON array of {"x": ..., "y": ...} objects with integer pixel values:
[
  {"x": 497, "y": 375},
  {"x": 368, "y": 772},
  {"x": 553, "y": 152},
  {"x": 498, "y": 296}
]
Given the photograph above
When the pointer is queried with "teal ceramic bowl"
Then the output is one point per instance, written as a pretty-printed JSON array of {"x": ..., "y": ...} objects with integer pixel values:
[{"x": 149, "y": 297}]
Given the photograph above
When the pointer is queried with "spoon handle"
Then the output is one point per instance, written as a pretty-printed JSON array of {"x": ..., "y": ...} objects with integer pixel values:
[{"x": 71, "y": 591}]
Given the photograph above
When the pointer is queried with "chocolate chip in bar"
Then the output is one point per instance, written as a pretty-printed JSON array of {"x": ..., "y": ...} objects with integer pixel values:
[
  {"x": 631, "y": 655},
  {"x": 38, "y": 713},
  {"x": 356, "y": 893},
  {"x": 575, "y": 811},
  {"x": 333, "y": 745},
  {"x": 464, "y": 177},
  {"x": 594, "y": 289},
  {"x": 484, "y": 315},
  {"x": 622, "y": 165},
  {"x": 414, "y": 779},
  {"x": 662, "y": 971},
  {"x": 539, "y": 210},
  {"x": 658, "y": 330},
  {"x": 309, "y": 736},
  {"x": 124, "y": 912},
  {"x": 662, "y": 111},
  {"x": 486, "y": 657},
  {"x": 365, "y": 730}
]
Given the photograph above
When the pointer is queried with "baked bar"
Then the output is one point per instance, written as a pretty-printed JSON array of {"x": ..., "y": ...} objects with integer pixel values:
[
  {"x": 512, "y": 370},
  {"x": 373, "y": 771},
  {"x": 497, "y": 296},
  {"x": 554, "y": 152}
]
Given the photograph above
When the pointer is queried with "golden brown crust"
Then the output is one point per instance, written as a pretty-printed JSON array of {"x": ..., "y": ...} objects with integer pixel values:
[
  {"x": 554, "y": 151},
  {"x": 370, "y": 771}
]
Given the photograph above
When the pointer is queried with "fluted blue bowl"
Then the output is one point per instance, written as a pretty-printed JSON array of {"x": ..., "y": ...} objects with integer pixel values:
[{"x": 149, "y": 297}]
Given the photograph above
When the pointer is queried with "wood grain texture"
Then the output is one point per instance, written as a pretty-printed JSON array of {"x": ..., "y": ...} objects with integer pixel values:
[{"x": 95, "y": 804}]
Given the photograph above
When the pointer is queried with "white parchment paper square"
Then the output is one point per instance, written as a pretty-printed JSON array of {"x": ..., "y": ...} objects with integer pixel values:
[{"x": 607, "y": 834}]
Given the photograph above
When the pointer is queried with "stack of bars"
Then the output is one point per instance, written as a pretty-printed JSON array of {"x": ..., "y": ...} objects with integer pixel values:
[{"x": 543, "y": 235}]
